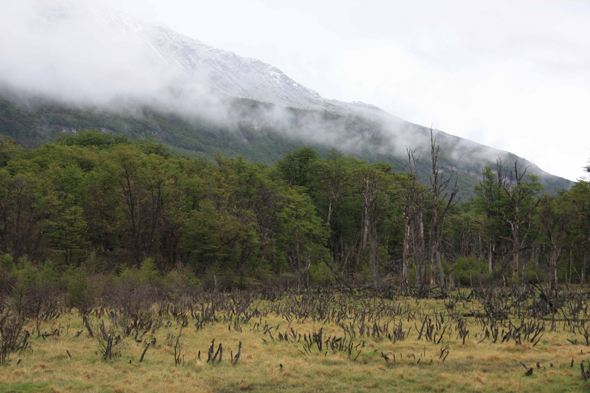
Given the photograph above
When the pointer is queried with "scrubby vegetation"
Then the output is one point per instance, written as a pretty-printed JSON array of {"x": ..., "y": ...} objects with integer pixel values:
[{"x": 142, "y": 332}]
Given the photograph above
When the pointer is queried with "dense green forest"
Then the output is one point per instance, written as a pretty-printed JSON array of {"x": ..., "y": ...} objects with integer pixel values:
[{"x": 104, "y": 204}]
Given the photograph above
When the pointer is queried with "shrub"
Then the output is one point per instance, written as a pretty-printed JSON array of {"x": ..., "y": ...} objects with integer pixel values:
[
  {"x": 320, "y": 274},
  {"x": 83, "y": 294},
  {"x": 133, "y": 292},
  {"x": 36, "y": 292},
  {"x": 178, "y": 284},
  {"x": 11, "y": 340},
  {"x": 148, "y": 273},
  {"x": 6, "y": 276},
  {"x": 470, "y": 271}
]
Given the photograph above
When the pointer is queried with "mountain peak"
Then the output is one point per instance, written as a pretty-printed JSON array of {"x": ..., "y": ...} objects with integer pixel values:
[{"x": 91, "y": 55}]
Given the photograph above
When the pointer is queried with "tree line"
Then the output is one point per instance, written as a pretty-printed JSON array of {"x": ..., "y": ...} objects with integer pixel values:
[{"x": 105, "y": 203}]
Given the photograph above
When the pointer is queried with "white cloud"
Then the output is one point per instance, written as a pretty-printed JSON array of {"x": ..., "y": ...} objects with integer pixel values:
[{"x": 511, "y": 74}]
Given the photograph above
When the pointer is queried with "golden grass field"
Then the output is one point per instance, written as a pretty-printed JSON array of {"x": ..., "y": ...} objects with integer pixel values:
[{"x": 277, "y": 366}]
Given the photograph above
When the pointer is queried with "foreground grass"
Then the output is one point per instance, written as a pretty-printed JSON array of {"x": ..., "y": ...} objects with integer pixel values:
[{"x": 268, "y": 366}]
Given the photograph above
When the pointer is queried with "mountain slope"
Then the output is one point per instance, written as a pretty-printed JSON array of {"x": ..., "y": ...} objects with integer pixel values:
[
  {"x": 257, "y": 137},
  {"x": 198, "y": 99}
]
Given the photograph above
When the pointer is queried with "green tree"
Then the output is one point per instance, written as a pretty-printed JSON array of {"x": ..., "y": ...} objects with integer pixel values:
[
  {"x": 552, "y": 218},
  {"x": 295, "y": 167},
  {"x": 490, "y": 201},
  {"x": 67, "y": 234},
  {"x": 301, "y": 234}
]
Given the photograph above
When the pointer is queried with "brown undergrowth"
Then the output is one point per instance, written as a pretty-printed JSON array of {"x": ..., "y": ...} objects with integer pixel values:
[{"x": 299, "y": 343}]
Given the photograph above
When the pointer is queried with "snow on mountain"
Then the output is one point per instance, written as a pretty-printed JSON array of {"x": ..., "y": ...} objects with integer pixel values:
[
  {"x": 202, "y": 65},
  {"x": 222, "y": 71},
  {"x": 77, "y": 50},
  {"x": 231, "y": 74}
]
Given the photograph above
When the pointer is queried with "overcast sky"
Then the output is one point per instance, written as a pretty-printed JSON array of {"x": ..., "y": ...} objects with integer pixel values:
[
  {"x": 510, "y": 74},
  {"x": 514, "y": 75}
]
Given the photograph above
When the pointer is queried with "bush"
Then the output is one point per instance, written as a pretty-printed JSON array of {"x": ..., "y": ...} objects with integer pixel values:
[
  {"x": 11, "y": 340},
  {"x": 178, "y": 284},
  {"x": 132, "y": 292},
  {"x": 470, "y": 271},
  {"x": 148, "y": 273},
  {"x": 533, "y": 272},
  {"x": 83, "y": 293},
  {"x": 36, "y": 292},
  {"x": 320, "y": 274},
  {"x": 6, "y": 276},
  {"x": 7, "y": 262}
]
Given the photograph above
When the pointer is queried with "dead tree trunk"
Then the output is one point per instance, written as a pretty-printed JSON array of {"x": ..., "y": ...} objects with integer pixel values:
[
  {"x": 441, "y": 203},
  {"x": 413, "y": 196},
  {"x": 520, "y": 220},
  {"x": 406, "y": 252}
]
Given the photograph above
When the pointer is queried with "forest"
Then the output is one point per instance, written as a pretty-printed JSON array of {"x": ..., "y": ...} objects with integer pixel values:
[
  {"x": 103, "y": 204},
  {"x": 320, "y": 272}
]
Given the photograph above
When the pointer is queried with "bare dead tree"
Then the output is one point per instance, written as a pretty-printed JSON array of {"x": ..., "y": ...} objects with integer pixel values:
[
  {"x": 413, "y": 196},
  {"x": 370, "y": 185},
  {"x": 442, "y": 201},
  {"x": 520, "y": 221}
]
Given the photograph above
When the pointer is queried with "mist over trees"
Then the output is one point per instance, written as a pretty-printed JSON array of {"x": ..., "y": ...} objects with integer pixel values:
[{"x": 105, "y": 204}]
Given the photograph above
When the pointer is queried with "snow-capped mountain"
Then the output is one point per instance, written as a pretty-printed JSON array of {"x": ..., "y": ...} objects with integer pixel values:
[
  {"x": 88, "y": 56},
  {"x": 197, "y": 63},
  {"x": 231, "y": 74}
]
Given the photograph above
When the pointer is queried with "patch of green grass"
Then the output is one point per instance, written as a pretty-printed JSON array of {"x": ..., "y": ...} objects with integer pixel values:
[{"x": 25, "y": 387}]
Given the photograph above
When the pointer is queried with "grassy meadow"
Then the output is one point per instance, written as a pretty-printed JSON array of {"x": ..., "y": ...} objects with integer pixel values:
[{"x": 369, "y": 342}]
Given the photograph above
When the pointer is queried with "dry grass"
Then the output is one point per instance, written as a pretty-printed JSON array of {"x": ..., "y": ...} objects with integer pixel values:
[{"x": 280, "y": 366}]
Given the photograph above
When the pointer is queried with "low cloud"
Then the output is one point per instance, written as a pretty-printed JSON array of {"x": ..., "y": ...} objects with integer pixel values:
[{"x": 85, "y": 54}]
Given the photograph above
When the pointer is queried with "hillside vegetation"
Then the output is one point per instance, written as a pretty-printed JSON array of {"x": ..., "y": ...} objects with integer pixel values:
[{"x": 247, "y": 131}]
